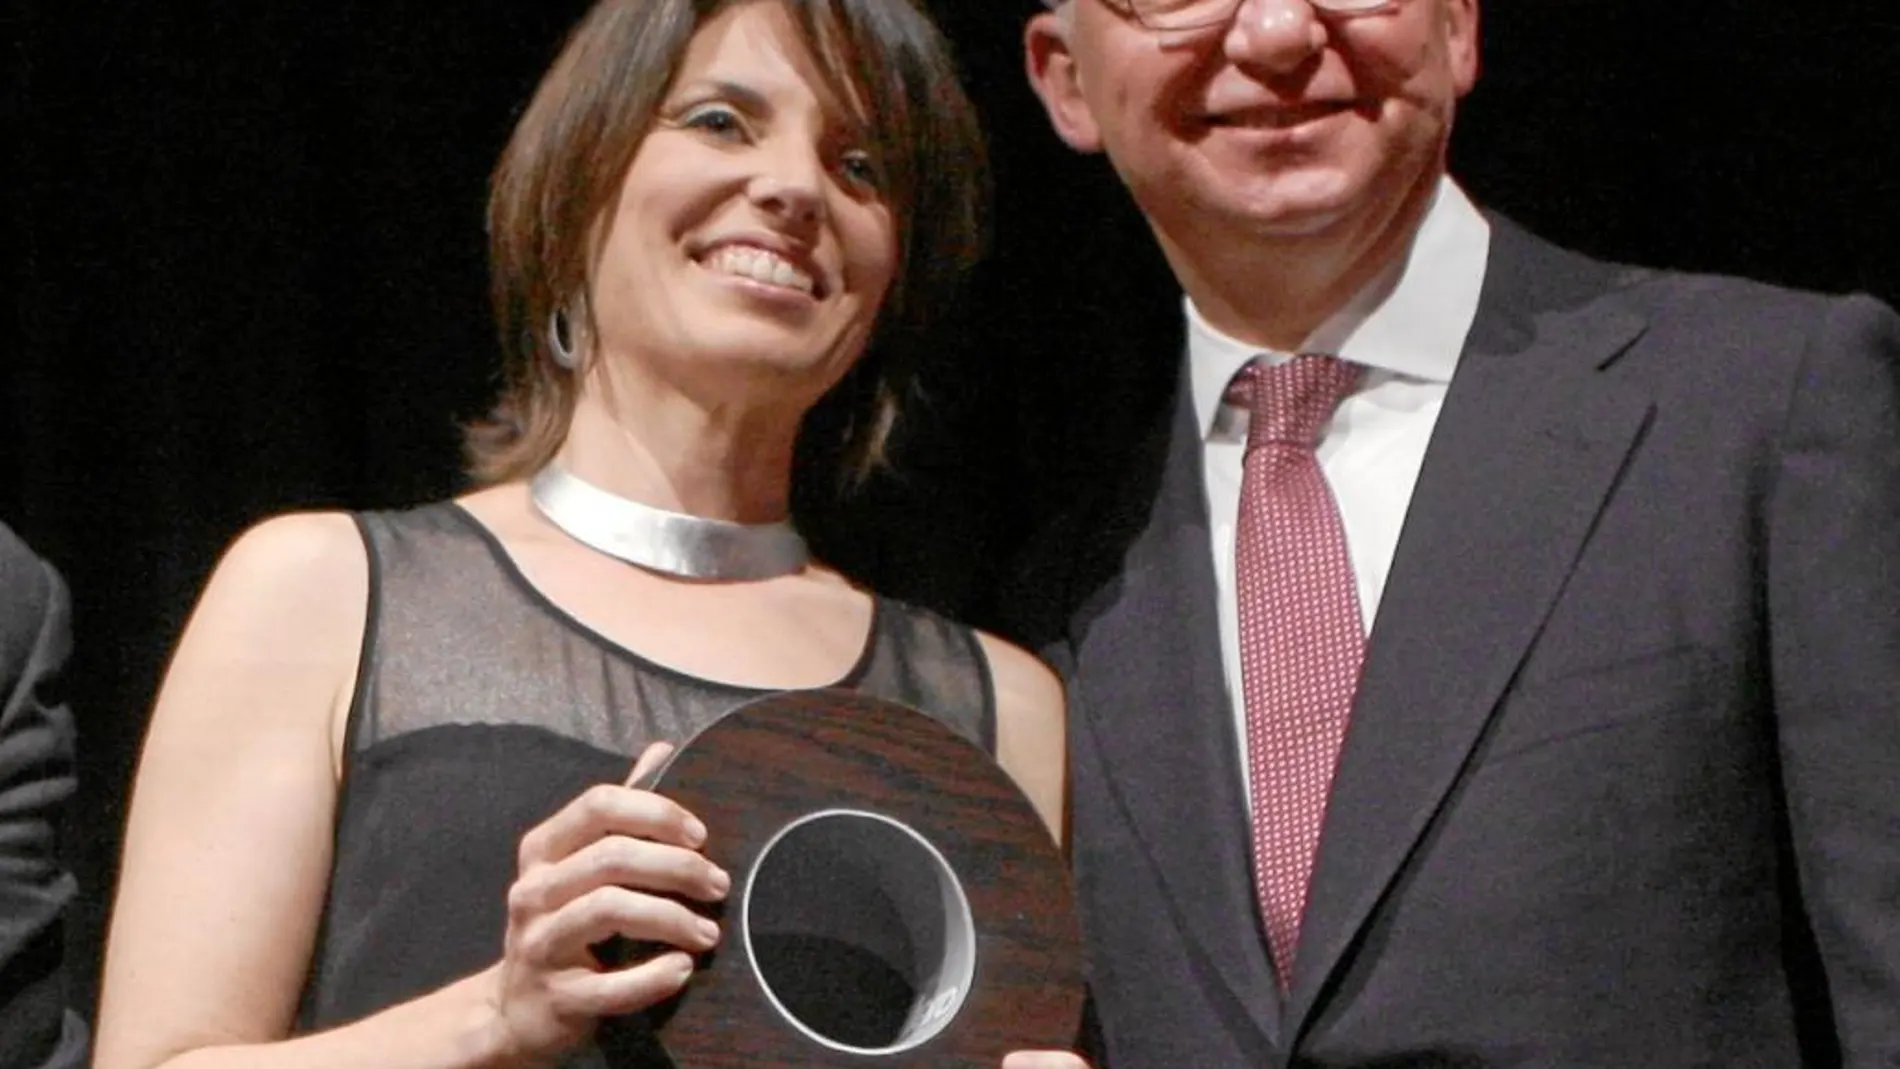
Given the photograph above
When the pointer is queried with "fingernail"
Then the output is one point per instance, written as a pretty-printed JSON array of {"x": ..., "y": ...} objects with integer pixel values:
[
  {"x": 721, "y": 881},
  {"x": 695, "y": 831},
  {"x": 709, "y": 930}
]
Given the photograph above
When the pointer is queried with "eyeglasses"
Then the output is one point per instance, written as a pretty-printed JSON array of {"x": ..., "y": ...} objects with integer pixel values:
[{"x": 1172, "y": 15}]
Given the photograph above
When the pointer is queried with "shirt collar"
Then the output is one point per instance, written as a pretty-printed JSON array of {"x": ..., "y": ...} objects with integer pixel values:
[{"x": 1409, "y": 321}]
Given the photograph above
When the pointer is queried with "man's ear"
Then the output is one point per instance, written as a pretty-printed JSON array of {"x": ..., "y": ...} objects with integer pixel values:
[
  {"x": 1461, "y": 34},
  {"x": 1055, "y": 77}
]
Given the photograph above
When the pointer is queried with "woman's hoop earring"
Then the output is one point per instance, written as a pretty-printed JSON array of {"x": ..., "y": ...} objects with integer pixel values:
[{"x": 561, "y": 339}]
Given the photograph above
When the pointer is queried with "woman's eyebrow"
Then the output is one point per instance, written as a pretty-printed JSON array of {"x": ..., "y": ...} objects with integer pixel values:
[{"x": 745, "y": 96}]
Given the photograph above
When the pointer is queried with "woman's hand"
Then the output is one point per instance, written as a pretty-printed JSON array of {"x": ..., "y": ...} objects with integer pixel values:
[
  {"x": 604, "y": 866},
  {"x": 1043, "y": 1059}
]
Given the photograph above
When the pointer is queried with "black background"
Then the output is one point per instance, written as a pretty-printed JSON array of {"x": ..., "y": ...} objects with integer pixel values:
[{"x": 245, "y": 262}]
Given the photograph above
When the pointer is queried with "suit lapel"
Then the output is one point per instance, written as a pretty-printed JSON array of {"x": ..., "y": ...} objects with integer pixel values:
[
  {"x": 1529, "y": 443},
  {"x": 1150, "y": 682}
]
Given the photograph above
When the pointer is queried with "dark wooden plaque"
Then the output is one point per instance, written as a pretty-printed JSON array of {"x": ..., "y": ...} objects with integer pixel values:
[{"x": 777, "y": 761}]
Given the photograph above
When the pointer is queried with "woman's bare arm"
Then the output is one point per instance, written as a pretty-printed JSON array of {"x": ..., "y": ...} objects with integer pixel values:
[
  {"x": 227, "y": 849},
  {"x": 1032, "y": 746},
  {"x": 228, "y": 855},
  {"x": 1031, "y": 740}
]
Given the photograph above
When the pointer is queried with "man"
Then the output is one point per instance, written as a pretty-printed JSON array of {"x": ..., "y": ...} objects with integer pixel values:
[
  {"x": 36, "y": 779},
  {"x": 1527, "y": 691}
]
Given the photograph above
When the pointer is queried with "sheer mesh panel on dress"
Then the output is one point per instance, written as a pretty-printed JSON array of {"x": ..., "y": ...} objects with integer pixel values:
[{"x": 459, "y": 636}]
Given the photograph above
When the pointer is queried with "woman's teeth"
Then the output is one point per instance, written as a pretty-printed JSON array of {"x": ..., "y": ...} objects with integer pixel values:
[{"x": 759, "y": 265}]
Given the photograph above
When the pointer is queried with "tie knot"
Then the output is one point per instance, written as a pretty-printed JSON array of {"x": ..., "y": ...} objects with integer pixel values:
[{"x": 1291, "y": 403}]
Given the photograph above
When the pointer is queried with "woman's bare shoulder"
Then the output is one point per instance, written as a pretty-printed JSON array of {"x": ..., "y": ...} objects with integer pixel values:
[
  {"x": 288, "y": 600},
  {"x": 1025, "y": 685},
  {"x": 296, "y": 569}
]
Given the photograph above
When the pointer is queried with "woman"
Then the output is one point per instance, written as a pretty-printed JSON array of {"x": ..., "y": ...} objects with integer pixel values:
[{"x": 340, "y": 830}]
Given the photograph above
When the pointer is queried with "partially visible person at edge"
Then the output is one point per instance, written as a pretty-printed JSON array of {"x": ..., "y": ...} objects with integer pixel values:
[
  {"x": 380, "y": 816},
  {"x": 37, "y": 780},
  {"x": 1492, "y": 655}
]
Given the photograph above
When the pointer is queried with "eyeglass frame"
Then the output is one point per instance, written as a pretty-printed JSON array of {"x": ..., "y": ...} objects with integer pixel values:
[{"x": 1127, "y": 9}]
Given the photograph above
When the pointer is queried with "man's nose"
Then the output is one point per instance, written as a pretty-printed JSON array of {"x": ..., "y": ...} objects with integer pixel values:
[{"x": 1278, "y": 36}]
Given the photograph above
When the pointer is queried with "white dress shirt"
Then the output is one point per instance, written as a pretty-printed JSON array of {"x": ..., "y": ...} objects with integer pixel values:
[{"x": 1407, "y": 328}]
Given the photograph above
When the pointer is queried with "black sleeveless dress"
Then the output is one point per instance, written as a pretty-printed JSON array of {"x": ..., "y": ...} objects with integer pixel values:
[{"x": 481, "y": 708}]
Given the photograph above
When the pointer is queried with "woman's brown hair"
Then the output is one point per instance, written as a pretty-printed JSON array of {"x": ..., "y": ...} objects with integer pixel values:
[{"x": 563, "y": 167}]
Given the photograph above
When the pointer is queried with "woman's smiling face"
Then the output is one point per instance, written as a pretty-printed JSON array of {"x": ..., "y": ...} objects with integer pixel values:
[{"x": 751, "y": 233}]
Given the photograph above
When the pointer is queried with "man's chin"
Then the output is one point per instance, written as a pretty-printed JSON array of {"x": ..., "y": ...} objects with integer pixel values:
[
  {"x": 1293, "y": 205},
  {"x": 1291, "y": 217}
]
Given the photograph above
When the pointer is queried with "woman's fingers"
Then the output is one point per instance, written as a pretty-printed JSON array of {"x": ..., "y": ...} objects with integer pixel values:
[
  {"x": 637, "y": 864},
  {"x": 609, "y": 809},
  {"x": 583, "y": 992},
  {"x": 1043, "y": 1059},
  {"x": 650, "y": 761},
  {"x": 562, "y": 939}
]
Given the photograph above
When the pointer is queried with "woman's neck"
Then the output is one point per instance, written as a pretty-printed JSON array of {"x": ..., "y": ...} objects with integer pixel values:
[{"x": 722, "y": 462}]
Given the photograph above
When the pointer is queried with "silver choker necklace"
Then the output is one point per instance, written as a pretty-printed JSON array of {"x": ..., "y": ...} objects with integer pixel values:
[{"x": 673, "y": 543}]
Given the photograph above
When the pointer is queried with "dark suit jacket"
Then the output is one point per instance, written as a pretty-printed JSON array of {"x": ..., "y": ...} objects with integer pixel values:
[
  {"x": 1622, "y": 781},
  {"x": 36, "y": 779}
]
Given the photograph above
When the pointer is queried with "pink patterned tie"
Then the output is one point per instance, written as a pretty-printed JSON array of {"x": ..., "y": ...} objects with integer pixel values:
[{"x": 1301, "y": 637}]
